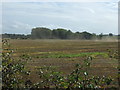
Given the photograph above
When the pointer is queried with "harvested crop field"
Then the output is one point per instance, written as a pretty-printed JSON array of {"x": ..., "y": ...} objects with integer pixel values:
[{"x": 64, "y": 54}]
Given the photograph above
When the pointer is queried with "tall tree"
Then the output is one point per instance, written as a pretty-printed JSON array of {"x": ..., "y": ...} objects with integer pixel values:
[{"x": 41, "y": 33}]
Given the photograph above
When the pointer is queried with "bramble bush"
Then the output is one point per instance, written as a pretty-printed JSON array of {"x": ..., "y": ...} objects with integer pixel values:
[
  {"x": 13, "y": 71},
  {"x": 14, "y": 74},
  {"x": 78, "y": 78}
]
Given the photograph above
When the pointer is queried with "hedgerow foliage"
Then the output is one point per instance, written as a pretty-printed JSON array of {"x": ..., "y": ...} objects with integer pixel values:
[
  {"x": 78, "y": 78},
  {"x": 14, "y": 73}
]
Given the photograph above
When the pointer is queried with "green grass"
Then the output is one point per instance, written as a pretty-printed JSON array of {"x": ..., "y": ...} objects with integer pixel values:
[{"x": 64, "y": 55}]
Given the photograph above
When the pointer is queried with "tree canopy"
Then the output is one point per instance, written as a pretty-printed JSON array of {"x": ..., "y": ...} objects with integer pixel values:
[{"x": 59, "y": 33}]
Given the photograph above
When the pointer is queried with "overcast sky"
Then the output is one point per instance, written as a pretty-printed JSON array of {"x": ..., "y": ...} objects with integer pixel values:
[{"x": 94, "y": 17}]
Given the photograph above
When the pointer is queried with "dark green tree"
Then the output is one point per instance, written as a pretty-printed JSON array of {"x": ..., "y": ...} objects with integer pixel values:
[
  {"x": 110, "y": 34},
  {"x": 100, "y": 36},
  {"x": 86, "y": 35},
  {"x": 69, "y": 34},
  {"x": 60, "y": 33},
  {"x": 41, "y": 33}
]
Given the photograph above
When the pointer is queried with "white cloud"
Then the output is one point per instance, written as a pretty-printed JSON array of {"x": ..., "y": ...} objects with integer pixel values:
[
  {"x": 91, "y": 10},
  {"x": 18, "y": 25}
]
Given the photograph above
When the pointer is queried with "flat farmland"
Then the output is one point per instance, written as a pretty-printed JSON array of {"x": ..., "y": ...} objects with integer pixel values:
[{"x": 64, "y": 54}]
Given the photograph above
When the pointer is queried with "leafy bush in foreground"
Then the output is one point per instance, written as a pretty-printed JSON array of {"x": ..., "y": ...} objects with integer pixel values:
[{"x": 13, "y": 71}]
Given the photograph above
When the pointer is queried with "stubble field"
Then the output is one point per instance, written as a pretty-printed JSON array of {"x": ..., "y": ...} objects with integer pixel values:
[{"x": 64, "y": 54}]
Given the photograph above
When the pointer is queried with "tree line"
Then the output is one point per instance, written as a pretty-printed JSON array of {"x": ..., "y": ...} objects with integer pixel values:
[{"x": 59, "y": 33}]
